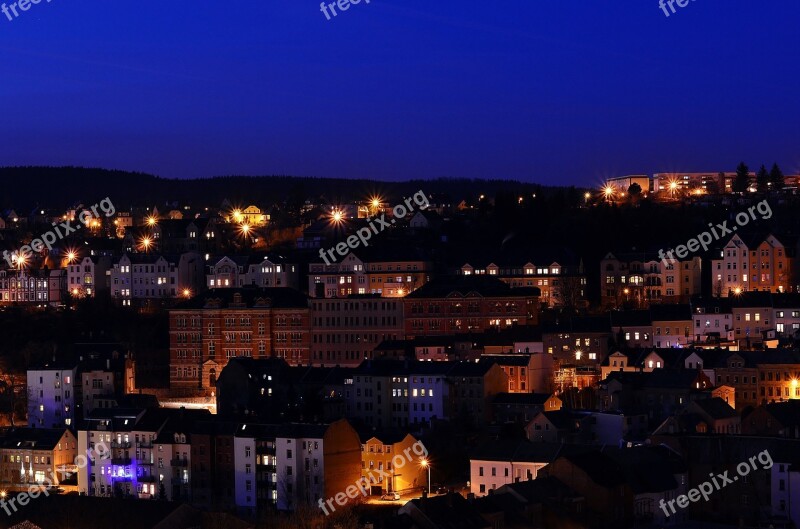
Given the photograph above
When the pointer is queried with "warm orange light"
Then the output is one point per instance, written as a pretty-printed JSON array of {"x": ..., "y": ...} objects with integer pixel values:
[
  {"x": 146, "y": 242},
  {"x": 337, "y": 216},
  {"x": 187, "y": 293},
  {"x": 151, "y": 221}
]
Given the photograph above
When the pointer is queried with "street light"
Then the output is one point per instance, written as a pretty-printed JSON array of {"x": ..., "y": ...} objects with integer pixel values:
[{"x": 427, "y": 464}]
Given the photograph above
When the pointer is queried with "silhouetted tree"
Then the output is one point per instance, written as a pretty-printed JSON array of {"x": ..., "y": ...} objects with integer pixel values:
[
  {"x": 742, "y": 181},
  {"x": 762, "y": 179},
  {"x": 635, "y": 190},
  {"x": 776, "y": 177}
]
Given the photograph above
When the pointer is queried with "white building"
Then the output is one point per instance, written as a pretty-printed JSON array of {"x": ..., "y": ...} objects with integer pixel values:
[
  {"x": 87, "y": 276},
  {"x": 240, "y": 271},
  {"x": 146, "y": 276},
  {"x": 149, "y": 453},
  {"x": 504, "y": 462},
  {"x": 51, "y": 396}
]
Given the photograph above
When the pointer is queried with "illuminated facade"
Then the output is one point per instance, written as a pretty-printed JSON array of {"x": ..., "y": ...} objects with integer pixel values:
[{"x": 752, "y": 264}]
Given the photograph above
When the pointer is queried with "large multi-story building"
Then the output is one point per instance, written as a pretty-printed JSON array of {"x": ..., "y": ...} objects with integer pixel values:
[
  {"x": 345, "y": 331},
  {"x": 749, "y": 263},
  {"x": 374, "y": 273},
  {"x": 36, "y": 455},
  {"x": 643, "y": 278},
  {"x": 87, "y": 276},
  {"x": 209, "y": 330},
  {"x": 561, "y": 280},
  {"x": 144, "y": 453},
  {"x": 468, "y": 304},
  {"x": 33, "y": 287},
  {"x": 51, "y": 395},
  {"x": 251, "y": 270},
  {"x": 138, "y": 277},
  {"x": 676, "y": 184}
]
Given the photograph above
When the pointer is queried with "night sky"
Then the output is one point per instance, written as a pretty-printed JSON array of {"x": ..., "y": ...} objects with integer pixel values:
[{"x": 550, "y": 91}]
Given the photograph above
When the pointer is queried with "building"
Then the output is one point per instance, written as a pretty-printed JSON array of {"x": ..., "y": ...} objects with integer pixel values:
[
  {"x": 51, "y": 395},
  {"x": 526, "y": 372},
  {"x": 672, "y": 325},
  {"x": 377, "y": 453},
  {"x": 674, "y": 185},
  {"x": 33, "y": 287},
  {"x": 751, "y": 262},
  {"x": 387, "y": 274},
  {"x": 208, "y": 330},
  {"x": 496, "y": 464},
  {"x": 88, "y": 276},
  {"x": 468, "y": 304},
  {"x": 346, "y": 331},
  {"x": 140, "y": 277},
  {"x": 522, "y": 407},
  {"x": 559, "y": 275},
  {"x": 149, "y": 453},
  {"x": 36, "y": 455},
  {"x": 251, "y": 270},
  {"x": 642, "y": 278},
  {"x": 579, "y": 341}
]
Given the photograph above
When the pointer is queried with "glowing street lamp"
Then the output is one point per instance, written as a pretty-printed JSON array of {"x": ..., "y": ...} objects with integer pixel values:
[
  {"x": 425, "y": 463},
  {"x": 337, "y": 216},
  {"x": 187, "y": 293},
  {"x": 146, "y": 243},
  {"x": 152, "y": 221}
]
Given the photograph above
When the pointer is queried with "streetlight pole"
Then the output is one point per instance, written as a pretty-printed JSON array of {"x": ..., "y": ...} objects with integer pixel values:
[{"x": 427, "y": 464}]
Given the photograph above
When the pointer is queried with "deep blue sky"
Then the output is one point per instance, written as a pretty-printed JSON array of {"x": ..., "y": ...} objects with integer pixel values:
[{"x": 560, "y": 91}]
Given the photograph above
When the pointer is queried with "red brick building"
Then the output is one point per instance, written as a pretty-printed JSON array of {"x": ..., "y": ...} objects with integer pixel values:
[
  {"x": 468, "y": 304},
  {"x": 207, "y": 331}
]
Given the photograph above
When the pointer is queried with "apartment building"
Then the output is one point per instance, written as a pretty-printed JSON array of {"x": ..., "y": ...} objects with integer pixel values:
[
  {"x": 642, "y": 278},
  {"x": 672, "y": 185},
  {"x": 346, "y": 331},
  {"x": 236, "y": 271},
  {"x": 378, "y": 453},
  {"x": 149, "y": 453},
  {"x": 526, "y": 372},
  {"x": 496, "y": 464},
  {"x": 52, "y": 395},
  {"x": 559, "y": 276},
  {"x": 209, "y": 330},
  {"x": 33, "y": 455},
  {"x": 139, "y": 277},
  {"x": 385, "y": 273},
  {"x": 582, "y": 342},
  {"x": 315, "y": 462},
  {"x": 87, "y": 276},
  {"x": 712, "y": 320},
  {"x": 33, "y": 287},
  {"x": 672, "y": 325},
  {"x": 753, "y": 262},
  {"x": 468, "y": 304}
]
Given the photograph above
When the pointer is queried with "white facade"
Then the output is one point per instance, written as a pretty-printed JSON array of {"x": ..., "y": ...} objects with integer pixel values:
[
  {"x": 51, "y": 397},
  {"x": 705, "y": 323},
  {"x": 245, "y": 473},
  {"x": 787, "y": 321},
  {"x": 131, "y": 279},
  {"x": 227, "y": 273},
  {"x": 300, "y": 471},
  {"x": 491, "y": 475},
  {"x": 94, "y": 385}
]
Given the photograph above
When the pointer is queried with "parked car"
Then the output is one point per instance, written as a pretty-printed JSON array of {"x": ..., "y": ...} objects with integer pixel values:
[
  {"x": 392, "y": 496},
  {"x": 441, "y": 489}
]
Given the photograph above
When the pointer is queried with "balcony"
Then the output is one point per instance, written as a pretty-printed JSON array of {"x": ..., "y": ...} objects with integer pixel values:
[
  {"x": 121, "y": 461},
  {"x": 145, "y": 444},
  {"x": 179, "y": 462},
  {"x": 147, "y": 479},
  {"x": 120, "y": 444}
]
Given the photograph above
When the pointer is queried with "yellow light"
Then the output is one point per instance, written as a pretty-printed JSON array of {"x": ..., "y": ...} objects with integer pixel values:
[
  {"x": 71, "y": 256},
  {"x": 587, "y": 196},
  {"x": 376, "y": 202},
  {"x": 151, "y": 221},
  {"x": 673, "y": 186},
  {"x": 146, "y": 242},
  {"x": 608, "y": 191},
  {"x": 337, "y": 216},
  {"x": 245, "y": 229},
  {"x": 74, "y": 291},
  {"x": 187, "y": 293},
  {"x": 424, "y": 463},
  {"x": 737, "y": 290}
]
